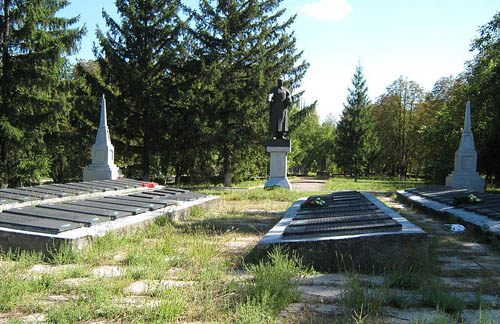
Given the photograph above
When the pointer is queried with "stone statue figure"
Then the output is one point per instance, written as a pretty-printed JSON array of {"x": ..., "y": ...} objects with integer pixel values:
[{"x": 280, "y": 99}]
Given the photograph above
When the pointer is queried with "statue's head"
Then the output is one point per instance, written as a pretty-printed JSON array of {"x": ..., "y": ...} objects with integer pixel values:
[{"x": 280, "y": 82}]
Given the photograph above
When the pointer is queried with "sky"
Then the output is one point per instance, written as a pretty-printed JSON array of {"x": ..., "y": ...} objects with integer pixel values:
[{"x": 422, "y": 40}]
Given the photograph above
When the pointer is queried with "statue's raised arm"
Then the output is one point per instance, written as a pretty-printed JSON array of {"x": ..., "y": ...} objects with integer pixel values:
[{"x": 279, "y": 99}]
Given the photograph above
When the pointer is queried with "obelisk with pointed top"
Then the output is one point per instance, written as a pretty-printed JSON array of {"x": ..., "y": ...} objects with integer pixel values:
[
  {"x": 465, "y": 174},
  {"x": 103, "y": 153}
]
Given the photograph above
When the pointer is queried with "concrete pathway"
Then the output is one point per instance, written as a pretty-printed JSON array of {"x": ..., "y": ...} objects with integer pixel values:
[{"x": 308, "y": 184}]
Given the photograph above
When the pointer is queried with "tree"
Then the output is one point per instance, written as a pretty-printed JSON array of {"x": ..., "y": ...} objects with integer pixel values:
[
  {"x": 139, "y": 60},
  {"x": 352, "y": 144},
  {"x": 396, "y": 126},
  {"x": 484, "y": 79},
  {"x": 33, "y": 95},
  {"x": 243, "y": 47}
]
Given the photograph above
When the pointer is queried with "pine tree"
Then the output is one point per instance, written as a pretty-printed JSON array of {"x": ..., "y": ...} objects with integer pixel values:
[
  {"x": 352, "y": 145},
  {"x": 32, "y": 93},
  {"x": 139, "y": 57},
  {"x": 243, "y": 47}
]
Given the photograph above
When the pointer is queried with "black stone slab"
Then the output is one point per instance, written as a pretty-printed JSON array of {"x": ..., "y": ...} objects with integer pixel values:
[
  {"x": 85, "y": 219},
  {"x": 121, "y": 184},
  {"x": 107, "y": 206},
  {"x": 172, "y": 189},
  {"x": 111, "y": 184},
  {"x": 373, "y": 211},
  {"x": 22, "y": 191},
  {"x": 113, "y": 200},
  {"x": 88, "y": 210},
  {"x": 351, "y": 227},
  {"x": 85, "y": 186},
  {"x": 68, "y": 191},
  {"x": 4, "y": 201},
  {"x": 181, "y": 193},
  {"x": 16, "y": 197},
  {"x": 164, "y": 202},
  {"x": 45, "y": 191},
  {"x": 340, "y": 219},
  {"x": 320, "y": 210},
  {"x": 83, "y": 190},
  {"x": 136, "y": 183},
  {"x": 36, "y": 224}
]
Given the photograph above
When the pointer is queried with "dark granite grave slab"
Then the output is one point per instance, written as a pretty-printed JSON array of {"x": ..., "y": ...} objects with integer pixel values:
[
  {"x": 371, "y": 211},
  {"x": 484, "y": 215},
  {"x": 367, "y": 226},
  {"x": 339, "y": 219},
  {"x": 4, "y": 201},
  {"x": 36, "y": 224},
  {"x": 341, "y": 209},
  {"x": 124, "y": 202},
  {"x": 88, "y": 210},
  {"x": 111, "y": 184},
  {"x": 108, "y": 206},
  {"x": 45, "y": 191},
  {"x": 145, "y": 200},
  {"x": 67, "y": 191},
  {"x": 22, "y": 191},
  {"x": 85, "y": 219},
  {"x": 369, "y": 237},
  {"x": 16, "y": 197},
  {"x": 84, "y": 186}
]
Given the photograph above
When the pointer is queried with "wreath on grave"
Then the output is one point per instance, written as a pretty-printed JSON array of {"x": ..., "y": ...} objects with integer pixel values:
[
  {"x": 468, "y": 200},
  {"x": 313, "y": 202}
]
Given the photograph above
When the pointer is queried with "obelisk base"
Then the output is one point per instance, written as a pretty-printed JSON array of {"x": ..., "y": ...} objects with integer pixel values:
[
  {"x": 101, "y": 172},
  {"x": 278, "y": 148},
  {"x": 467, "y": 181}
]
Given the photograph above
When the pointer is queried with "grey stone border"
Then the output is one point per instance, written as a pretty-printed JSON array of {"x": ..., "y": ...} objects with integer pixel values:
[
  {"x": 80, "y": 238},
  {"x": 486, "y": 224},
  {"x": 275, "y": 235}
]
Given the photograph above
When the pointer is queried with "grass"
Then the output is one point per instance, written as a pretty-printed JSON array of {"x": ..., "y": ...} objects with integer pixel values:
[
  {"x": 204, "y": 253},
  {"x": 336, "y": 184}
]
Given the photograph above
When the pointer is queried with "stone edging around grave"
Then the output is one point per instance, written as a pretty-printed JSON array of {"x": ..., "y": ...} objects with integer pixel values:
[{"x": 486, "y": 224}]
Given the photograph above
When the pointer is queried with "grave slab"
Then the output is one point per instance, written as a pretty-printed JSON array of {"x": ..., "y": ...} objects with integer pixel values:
[
  {"x": 85, "y": 219},
  {"x": 124, "y": 202},
  {"x": 403, "y": 245},
  {"x": 107, "y": 206},
  {"x": 36, "y": 224},
  {"x": 87, "y": 210}
]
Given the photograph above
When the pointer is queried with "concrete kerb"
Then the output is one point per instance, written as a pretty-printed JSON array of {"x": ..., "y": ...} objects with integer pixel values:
[
  {"x": 80, "y": 238},
  {"x": 484, "y": 223},
  {"x": 368, "y": 251}
]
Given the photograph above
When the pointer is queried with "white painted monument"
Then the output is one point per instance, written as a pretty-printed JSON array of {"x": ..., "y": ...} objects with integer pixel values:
[
  {"x": 465, "y": 174},
  {"x": 103, "y": 153},
  {"x": 279, "y": 148}
]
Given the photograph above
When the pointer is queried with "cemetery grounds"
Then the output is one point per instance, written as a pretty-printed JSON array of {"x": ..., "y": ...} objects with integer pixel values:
[{"x": 202, "y": 271}]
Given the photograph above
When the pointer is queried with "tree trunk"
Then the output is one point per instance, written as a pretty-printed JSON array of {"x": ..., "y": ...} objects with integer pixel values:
[
  {"x": 178, "y": 174},
  {"x": 227, "y": 169}
]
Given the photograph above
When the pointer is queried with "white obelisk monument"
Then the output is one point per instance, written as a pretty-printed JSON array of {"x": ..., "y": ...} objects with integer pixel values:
[
  {"x": 103, "y": 153},
  {"x": 465, "y": 175}
]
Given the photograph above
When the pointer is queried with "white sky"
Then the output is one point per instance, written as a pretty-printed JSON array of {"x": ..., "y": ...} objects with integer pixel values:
[{"x": 423, "y": 40}]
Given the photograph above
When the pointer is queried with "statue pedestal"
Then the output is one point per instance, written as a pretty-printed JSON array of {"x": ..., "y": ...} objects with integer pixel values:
[{"x": 279, "y": 148}]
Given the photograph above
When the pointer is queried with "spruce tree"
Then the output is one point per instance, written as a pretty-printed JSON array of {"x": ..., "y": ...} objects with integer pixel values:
[
  {"x": 139, "y": 57},
  {"x": 352, "y": 146},
  {"x": 32, "y": 94},
  {"x": 243, "y": 46}
]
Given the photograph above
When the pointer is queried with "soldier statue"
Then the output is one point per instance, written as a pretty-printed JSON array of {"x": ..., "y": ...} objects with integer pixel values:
[{"x": 279, "y": 99}]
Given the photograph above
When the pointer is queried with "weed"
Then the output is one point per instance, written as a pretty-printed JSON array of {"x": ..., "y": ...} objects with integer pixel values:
[
  {"x": 273, "y": 287},
  {"x": 435, "y": 295},
  {"x": 357, "y": 299},
  {"x": 62, "y": 254}
]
